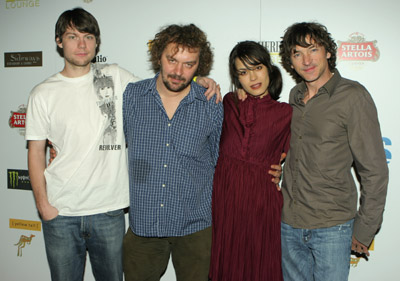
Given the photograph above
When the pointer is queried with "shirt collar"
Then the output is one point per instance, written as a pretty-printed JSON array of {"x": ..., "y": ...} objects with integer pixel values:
[
  {"x": 331, "y": 84},
  {"x": 328, "y": 88}
]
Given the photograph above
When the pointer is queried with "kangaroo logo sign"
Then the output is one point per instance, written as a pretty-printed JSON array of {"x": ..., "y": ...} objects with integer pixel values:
[{"x": 23, "y": 240}]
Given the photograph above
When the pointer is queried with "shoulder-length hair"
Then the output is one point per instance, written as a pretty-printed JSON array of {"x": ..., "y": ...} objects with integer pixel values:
[
  {"x": 305, "y": 34},
  {"x": 251, "y": 53}
]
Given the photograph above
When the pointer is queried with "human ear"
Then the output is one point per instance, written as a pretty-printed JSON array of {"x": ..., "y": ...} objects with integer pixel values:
[{"x": 59, "y": 42}]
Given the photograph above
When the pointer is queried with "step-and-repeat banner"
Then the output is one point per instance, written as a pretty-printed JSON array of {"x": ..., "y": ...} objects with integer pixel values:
[{"x": 366, "y": 33}]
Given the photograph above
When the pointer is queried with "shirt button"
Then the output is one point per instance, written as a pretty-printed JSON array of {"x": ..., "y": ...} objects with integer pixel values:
[
  {"x": 167, "y": 144},
  {"x": 169, "y": 124},
  {"x": 165, "y": 165},
  {"x": 162, "y": 205},
  {"x": 300, "y": 137},
  {"x": 163, "y": 185}
]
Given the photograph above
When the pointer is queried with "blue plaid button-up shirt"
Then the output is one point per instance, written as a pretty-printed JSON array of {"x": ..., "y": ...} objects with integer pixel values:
[{"x": 171, "y": 162}]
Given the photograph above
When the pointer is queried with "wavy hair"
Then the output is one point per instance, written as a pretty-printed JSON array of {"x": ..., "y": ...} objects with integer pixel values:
[
  {"x": 305, "y": 34},
  {"x": 185, "y": 36}
]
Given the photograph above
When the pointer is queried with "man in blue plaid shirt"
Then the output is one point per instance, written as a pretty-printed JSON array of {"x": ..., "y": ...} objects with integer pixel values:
[{"x": 173, "y": 136}]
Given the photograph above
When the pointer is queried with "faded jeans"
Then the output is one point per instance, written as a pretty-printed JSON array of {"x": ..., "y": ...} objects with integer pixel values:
[
  {"x": 68, "y": 238},
  {"x": 321, "y": 254}
]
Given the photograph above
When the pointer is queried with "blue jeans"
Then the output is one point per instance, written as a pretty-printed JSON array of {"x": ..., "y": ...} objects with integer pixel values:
[
  {"x": 68, "y": 238},
  {"x": 321, "y": 254}
]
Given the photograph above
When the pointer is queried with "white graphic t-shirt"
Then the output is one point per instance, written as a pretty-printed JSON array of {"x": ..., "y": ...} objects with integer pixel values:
[{"x": 82, "y": 117}]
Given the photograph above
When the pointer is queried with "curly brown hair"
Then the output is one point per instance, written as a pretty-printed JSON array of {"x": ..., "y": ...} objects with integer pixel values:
[
  {"x": 185, "y": 36},
  {"x": 299, "y": 34}
]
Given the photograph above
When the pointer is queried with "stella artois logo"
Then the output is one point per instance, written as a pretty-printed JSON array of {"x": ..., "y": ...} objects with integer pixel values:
[
  {"x": 17, "y": 119},
  {"x": 358, "y": 49}
]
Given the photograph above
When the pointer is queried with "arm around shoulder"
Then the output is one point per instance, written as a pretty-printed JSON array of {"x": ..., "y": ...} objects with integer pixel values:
[{"x": 217, "y": 119}]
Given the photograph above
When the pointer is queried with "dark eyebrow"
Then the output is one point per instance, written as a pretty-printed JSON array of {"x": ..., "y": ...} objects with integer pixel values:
[{"x": 193, "y": 61}]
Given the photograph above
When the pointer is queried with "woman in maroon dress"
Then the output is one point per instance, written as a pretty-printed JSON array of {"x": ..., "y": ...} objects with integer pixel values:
[{"x": 246, "y": 204}]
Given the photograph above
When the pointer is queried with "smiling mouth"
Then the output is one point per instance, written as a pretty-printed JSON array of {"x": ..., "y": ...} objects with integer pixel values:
[{"x": 309, "y": 69}]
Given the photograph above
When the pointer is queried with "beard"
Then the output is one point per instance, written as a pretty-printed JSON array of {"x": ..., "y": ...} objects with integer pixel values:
[{"x": 175, "y": 87}]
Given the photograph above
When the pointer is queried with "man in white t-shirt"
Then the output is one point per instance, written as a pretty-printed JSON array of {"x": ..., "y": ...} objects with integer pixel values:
[{"x": 82, "y": 195}]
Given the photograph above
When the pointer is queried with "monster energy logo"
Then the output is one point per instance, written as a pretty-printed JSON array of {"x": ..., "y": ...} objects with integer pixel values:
[
  {"x": 13, "y": 178},
  {"x": 19, "y": 179}
]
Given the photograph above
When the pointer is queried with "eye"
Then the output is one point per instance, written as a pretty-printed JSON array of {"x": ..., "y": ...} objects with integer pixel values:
[
  {"x": 72, "y": 37},
  {"x": 189, "y": 65},
  {"x": 242, "y": 72},
  {"x": 259, "y": 67},
  {"x": 90, "y": 37}
]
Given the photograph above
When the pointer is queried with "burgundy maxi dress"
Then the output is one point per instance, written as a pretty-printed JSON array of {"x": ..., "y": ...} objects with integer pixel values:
[{"x": 246, "y": 205}]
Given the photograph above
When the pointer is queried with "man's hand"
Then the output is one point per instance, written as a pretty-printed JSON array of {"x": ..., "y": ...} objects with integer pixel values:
[
  {"x": 359, "y": 248},
  {"x": 53, "y": 152},
  {"x": 241, "y": 94},
  {"x": 211, "y": 86},
  {"x": 47, "y": 212},
  {"x": 276, "y": 172}
]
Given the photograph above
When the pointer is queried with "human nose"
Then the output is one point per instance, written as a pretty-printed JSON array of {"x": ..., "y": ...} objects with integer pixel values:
[
  {"x": 178, "y": 68},
  {"x": 81, "y": 43},
  {"x": 253, "y": 75},
  {"x": 306, "y": 59}
]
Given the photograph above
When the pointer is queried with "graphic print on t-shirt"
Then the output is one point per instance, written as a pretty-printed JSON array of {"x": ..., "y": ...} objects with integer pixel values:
[{"x": 104, "y": 87}]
